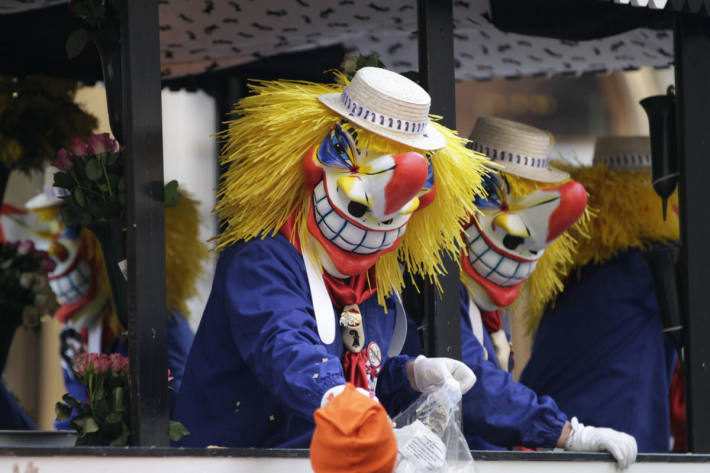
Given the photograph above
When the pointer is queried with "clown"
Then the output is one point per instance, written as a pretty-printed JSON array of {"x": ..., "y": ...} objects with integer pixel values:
[
  {"x": 517, "y": 231},
  {"x": 600, "y": 350},
  {"x": 329, "y": 189},
  {"x": 81, "y": 283}
]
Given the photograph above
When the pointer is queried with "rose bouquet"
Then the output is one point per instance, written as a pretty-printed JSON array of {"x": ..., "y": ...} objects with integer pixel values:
[
  {"x": 91, "y": 173},
  {"x": 25, "y": 294},
  {"x": 103, "y": 418}
]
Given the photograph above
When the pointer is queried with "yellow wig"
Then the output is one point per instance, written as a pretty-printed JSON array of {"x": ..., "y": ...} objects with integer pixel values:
[
  {"x": 185, "y": 253},
  {"x": 264, "y": 183},
  {"x": 627, "y": 214},
  {"x": 547, "y": 280},
  {"x": 185, "y": 256}
]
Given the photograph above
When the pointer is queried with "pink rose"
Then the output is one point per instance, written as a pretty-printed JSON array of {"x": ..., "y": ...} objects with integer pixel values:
[
  {"x": 78, "y": 147},
  {"x": 119, "y": 363},
  {"x": 101, "y": 144},
  {"x": 48, "y": 265},
  {"x": 85, "y": 363},
  {"x": 104, "y": 363},
  {"x": 26, "y": 247},
  {"x": 63, "y": 159}
]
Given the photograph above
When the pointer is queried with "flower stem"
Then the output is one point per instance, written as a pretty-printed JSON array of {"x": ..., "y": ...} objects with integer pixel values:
[{"x": 108, "y": 181}]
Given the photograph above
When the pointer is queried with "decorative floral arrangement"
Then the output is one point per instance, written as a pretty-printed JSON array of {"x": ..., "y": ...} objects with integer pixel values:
[
  {"x": 37, "y": 116},
  {"x": 91, "y": 172},
  {"x": 105, "y": 418},
  {"x": 25, "y": 294}
]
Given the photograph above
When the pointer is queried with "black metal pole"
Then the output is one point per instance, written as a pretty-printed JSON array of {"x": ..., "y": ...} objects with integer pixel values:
[
  {"x": 692, "y": 70},
  {"x": 436, "y": 74},
  {"x": 145, "y": 221}
]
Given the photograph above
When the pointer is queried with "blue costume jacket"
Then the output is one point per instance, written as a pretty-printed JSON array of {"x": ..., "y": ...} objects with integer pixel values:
[
  {"x": 601, "y": 353},
  {"x": 257, "y": 369},
  {"x": 499, "y": 413}
]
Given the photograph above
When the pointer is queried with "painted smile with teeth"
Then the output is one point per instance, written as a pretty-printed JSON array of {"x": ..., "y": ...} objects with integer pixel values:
[
  {"x": 346, "y": 234},
  {"x": 494, "y": 264}
]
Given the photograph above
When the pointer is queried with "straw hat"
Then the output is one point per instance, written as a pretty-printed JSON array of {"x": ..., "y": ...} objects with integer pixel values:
[
  {"x": 520, "y": 149},
  {"x": 623, "y": 153},
  {"x": 389, "y": 105}
]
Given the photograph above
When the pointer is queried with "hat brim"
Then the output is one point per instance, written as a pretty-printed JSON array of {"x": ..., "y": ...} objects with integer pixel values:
[
  {"x": 41, "y": 201},
  {"x": 548, "y": 174},
  {"x": 429, "y": 140}
]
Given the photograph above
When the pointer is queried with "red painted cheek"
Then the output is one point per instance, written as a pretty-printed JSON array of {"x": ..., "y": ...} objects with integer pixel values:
[
  {"x": 427, "y": 198},
  {"x": 312, "y": 172},
  {"x": 573, "y": 201},
  {"x": 408, "y": 178}
]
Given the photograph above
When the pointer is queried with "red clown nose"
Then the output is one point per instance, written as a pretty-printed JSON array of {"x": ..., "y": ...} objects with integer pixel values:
[
  {"x": 573, "y": 200},
  {"x": 408, "y": 178}
]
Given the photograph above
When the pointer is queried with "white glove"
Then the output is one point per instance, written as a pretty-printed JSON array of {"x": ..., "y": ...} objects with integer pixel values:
[
  {"x": 431, "y": 373},
  {"x": 337, "y": 390},
  {"x": 595, "y": 439}
]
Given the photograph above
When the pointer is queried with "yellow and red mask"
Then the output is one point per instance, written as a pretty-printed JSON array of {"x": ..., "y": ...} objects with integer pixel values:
[
  {"x": 510, "y": 232},
  {"x": 362, "y": 198}
]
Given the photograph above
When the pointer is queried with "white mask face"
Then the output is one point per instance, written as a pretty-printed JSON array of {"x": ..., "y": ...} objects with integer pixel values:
[
  {"x": 509, "y": 236},
  {"x": 363, "y": 200}
]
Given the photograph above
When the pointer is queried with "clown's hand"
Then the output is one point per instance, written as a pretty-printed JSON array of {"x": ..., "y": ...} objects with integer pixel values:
[
  {"x": 337, "y": 390},
  {"x": 595, "y": 439},
  {"x": 429, "y": 374}
]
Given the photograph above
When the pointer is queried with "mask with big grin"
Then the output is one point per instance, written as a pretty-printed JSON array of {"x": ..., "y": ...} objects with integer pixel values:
[
  {"x": 508, "y": 236},
  {"x": 362, "y": 199}
]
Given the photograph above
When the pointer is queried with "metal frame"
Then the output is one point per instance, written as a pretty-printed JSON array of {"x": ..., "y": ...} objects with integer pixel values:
[
  {"x": 145, "y": 222},
  {"x": 436, "y": 74},
  {"x": 145, "y": 215},
  {"x": 692, "y": 53}
]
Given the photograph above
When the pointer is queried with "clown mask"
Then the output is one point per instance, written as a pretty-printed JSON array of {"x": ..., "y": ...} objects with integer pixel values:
[
  {"x": 508, "y": 236},
  {"x": 362, "y": 199}
]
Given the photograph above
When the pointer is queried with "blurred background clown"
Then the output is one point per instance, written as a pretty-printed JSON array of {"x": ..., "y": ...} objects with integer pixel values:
[
  {"x": 516, "y": 235},
  {"x": 328, "y": 189},
  {"x": 81, "y": 284},
  {"x": 599, "y": 350}
]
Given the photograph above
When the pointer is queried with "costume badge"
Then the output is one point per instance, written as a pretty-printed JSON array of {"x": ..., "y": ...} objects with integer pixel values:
[
  {"x": 374, "y": 355},
  {"x": 351, "y": 328}
]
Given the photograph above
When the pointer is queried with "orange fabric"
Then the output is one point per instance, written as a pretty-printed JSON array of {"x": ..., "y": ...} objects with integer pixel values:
[{"x": 353, "y": 434}]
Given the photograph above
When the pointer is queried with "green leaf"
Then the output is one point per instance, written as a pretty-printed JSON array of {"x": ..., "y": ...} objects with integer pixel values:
[
  {"x": 114, "y": 418},
  {"x": 90, "y": 425},
  {"x": 76, "y": 42},
  {"x": 79, "y": 197},
  {"x": 172, "y": 194},
  {"x": 70, "y": 400},
  {"x": 94, "y": 170},
  {"x": 62, "y": 411},
  {"x": 176, "y": 431},
  {"x": 121, "y": 440},
  {"x": 62, "y": 179}
]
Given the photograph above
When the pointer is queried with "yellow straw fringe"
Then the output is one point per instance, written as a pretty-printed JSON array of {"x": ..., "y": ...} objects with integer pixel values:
[
  {"x": 185, "y": 253},
  {"x": 547, "y": 280},
  {"x": 264, "y": 183},
  {"x": 185, "y": 257},
  {"x": 627, "y": 214}
]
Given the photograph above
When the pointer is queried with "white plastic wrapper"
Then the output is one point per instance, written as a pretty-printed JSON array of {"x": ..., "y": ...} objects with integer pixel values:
[{"x": 429, "y": 439}]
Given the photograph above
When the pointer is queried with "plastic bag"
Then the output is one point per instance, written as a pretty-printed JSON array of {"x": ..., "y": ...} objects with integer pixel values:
[{"x": 429, "y": 439}]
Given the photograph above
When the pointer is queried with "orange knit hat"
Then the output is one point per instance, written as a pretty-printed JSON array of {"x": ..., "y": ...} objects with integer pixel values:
[{"x": 353, "y": 434}]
